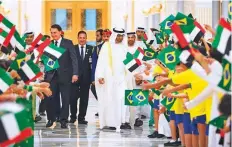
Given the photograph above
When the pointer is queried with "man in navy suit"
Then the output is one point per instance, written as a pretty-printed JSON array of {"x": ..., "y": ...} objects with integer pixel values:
[{"x": 80, "y": 89}]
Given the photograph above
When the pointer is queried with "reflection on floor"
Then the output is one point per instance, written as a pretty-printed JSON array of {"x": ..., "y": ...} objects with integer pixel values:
[{"x": 92, "y": 136}]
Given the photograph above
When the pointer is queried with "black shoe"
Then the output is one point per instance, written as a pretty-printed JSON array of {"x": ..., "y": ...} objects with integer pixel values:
[
  {"x": 82, "y": 122},
  {"x": 72, "y": 120},
  {"x": 49, "y": 123},
  {"x": 160, "y": 136},
  {"x": 112, "y": 128},
  {"x": 63, "y": 124},
  {"x": 42, "y": 114},
  {"x": 123, "y": 126},
  {"x": 96, "y": 114},
  {"x": 58, "y": 119},
  {"x": 37, "y": 118},
  {"x": 128, "y": 126},
  {"x": 153, "y": 135},
  {"x": 172, "y": 143},
  {"x": 143, "y": 117},
  {"x": 138, "y": 122}
]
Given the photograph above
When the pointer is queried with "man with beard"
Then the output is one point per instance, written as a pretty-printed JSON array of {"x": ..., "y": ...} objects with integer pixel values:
[
  {"x": 111, "y": 82},
  {"x": 101, "y": 37}
]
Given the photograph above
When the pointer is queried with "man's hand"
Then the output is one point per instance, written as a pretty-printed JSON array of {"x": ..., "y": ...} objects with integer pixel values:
[
  {"x": 101, "y": 81},
  {"x": 74, "y": 78}
]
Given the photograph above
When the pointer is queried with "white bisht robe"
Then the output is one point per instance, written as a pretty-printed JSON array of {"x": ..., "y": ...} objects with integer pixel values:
[{"x": 112, "y": 111}]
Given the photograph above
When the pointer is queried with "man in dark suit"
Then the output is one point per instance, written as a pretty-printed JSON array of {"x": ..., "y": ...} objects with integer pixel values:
[
  {"x": 80, "y": 89},
  {"x": 61, "y": 79}
]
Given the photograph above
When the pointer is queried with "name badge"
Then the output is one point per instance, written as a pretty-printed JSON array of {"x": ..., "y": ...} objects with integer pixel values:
[{"x": 90, "y": 59}]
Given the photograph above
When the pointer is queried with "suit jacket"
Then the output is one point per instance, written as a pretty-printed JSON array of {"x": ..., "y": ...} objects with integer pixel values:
[
  {"x": 68, "y": 64},
  {"x": 84, "y": 66},
  {"x": 95, "y": 55}
]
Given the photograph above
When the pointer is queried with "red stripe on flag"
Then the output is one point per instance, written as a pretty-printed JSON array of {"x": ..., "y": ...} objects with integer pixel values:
[
  {"x": 1, "y": 17},
  {"x": 145, "y": 36},
  {"x": 140, "y": 50},
  {"x": 41, "y": 48},
  {"x": 180, "y": 36},
  {"x": 193, "y": 51},
  {"x": 33, "y": 79},
  {"x": 225, "y": 24},
  {"x": 199, "y": 26},
  {"x": 26, "y": 133},
  {"x": 9, "y": 36},
  {"x": 1, "y": 30},
  {"x": 138, "y": 62},
  {"x": 34, "y": 43}
]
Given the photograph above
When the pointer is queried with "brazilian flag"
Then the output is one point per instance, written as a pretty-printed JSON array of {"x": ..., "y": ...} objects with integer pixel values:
[
  {"x": 168, "y": 102},
  {"x": 183, "y": 20},
  {"x": 149, "y": 54},
  {"x": 166, "y": 24},
  {"x": 169, "y": 56},
  {"x": 49, "y": 63},
  {"x": 225, "y": 82},
  {"x": 19, "y": 61},
  {"x": 136, "y": 97}
]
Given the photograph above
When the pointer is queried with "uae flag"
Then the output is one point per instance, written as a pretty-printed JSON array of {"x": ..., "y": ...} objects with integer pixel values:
[
  {"x": 5, "y": 37},
  {"x": 222, "y": 40},
  {"x": 197, "y": 33},
  {"x": 49, "y": 63},
  {"x": 29, "y": 72},
  {"x": 38, "y": 41},
  {"x": 131, "y": 63},
  {"x": 180, "y": 37},
  {"x": 51, "y": 50},
  {"x": 13, "y": 36},
  {"x": 19, "y": 61},
  {"x": 5, "y": 81},
  {"x": 13, "y": 126},
  {"x": 139, "y": 53},
  {"x": 219, "y": 121}
]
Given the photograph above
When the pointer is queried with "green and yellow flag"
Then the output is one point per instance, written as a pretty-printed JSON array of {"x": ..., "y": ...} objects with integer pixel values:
[
  {"x": 166, "y": 24},
  {"x": 225, "y": 82},
  {"x": 168, "y": 102},
  {"x": 169, "y": 56},
  {"x": 136, "y": 97},
  {"x": 183, "y": 20}
]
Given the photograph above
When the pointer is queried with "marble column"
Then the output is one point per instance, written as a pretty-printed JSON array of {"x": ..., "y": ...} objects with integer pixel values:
[
  {"x": 215, "y": 13},
  {"x": 156, "y": 20},
  {"x": 146, "y": 23},
  {"x": 180, "y": 6},
  {"x": 224, "y": 10}
]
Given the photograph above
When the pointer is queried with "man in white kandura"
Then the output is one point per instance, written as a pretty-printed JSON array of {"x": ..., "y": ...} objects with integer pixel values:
[{"x": 111, "y": 82}]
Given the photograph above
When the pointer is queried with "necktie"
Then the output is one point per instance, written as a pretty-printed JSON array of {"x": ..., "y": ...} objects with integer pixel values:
[
  {"x": 56, "y": 43},
  {"x": 82, "y": 52}
]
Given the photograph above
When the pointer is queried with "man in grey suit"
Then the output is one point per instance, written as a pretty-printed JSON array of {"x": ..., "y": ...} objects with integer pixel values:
[{"x": 61, "y": 79}]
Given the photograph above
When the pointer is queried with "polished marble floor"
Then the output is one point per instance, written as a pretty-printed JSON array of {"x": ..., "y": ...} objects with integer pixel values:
[{"x": 92, "y": 136}]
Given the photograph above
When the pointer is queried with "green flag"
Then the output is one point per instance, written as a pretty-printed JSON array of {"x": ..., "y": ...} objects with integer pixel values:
[
  {"x": 168, "y": 102},
  {"x": 225, "y": 82},
  {"x": 49, "y": 63},
  {"x": 136, "y": 97},
  {"x": 5, "y": 80},
  {"x": 169, "y": 56},
  {"x": 140, "y": 96},
  {"x": 129, "y": 98},
  {"x": 149, "y": 54},
  {"x": 222, "y": 39},
  {"x": 19, "y": 61},
  {"x": 166, "y": 24},
  {"x": 218, "y": 121},
  {"x": 182, "y": 19}
]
